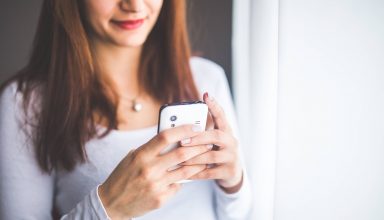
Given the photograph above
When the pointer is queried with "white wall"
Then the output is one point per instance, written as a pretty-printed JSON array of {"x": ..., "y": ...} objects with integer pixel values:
[
  {"x": 330, "y": 139},
  {"x": 312, "y": 112}
]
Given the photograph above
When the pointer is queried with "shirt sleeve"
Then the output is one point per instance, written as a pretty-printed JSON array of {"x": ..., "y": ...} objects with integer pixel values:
[
  {"x": 234, "y": 206},
  {"x": 26, "y": 191},
  {"x": 90, "y": 208}
]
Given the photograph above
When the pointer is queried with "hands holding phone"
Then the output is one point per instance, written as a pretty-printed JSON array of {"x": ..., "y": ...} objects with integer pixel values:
[{"x": 143, "y": 181}]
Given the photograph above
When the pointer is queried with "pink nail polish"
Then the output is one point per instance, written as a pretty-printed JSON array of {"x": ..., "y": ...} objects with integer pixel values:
[{"x": 205, "y": 95}]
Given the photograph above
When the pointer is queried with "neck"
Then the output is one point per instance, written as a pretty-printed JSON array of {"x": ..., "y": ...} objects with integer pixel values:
[{"x": 120, "y": 66}]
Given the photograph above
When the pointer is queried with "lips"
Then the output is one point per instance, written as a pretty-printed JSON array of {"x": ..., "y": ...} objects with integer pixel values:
[{"x": 129, "y": 24}]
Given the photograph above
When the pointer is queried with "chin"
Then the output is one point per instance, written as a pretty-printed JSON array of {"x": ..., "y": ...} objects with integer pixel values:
[{"x": 131, "y": 42}]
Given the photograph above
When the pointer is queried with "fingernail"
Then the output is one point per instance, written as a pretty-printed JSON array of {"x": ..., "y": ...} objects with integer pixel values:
[
  {"x": 205, "y": 95},
  {"x": 209, "y": 146},
  {"x": 196, "y": 128},
  {"x": 186, "y": 141},
  {"x": 210, "y": 98}
]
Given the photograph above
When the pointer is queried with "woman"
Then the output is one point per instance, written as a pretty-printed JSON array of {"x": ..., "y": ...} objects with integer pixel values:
[{"x": 78, "y": 123}]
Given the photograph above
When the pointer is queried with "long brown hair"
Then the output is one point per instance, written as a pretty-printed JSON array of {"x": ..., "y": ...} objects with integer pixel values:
[{"x": 61, "y": 67}]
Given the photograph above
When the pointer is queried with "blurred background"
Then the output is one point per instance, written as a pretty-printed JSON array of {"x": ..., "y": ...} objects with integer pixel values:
[{"x": 307, "y": 77}]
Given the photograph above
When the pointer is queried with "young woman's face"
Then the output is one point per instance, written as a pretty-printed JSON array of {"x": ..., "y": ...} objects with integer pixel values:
[{"x": 122, "y": 22}]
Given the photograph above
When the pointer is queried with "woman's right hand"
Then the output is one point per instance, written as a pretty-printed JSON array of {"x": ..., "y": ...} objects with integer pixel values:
[{"x": 141, "y": 182}]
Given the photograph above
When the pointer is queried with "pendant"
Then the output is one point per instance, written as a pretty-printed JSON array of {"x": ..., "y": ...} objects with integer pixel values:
[{"x": 137, "y": 106}]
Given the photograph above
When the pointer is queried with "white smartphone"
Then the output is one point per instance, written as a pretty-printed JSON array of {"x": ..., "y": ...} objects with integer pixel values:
[
  {"x": 182, "y": 113},
  {"x": 176, "y": 114}
]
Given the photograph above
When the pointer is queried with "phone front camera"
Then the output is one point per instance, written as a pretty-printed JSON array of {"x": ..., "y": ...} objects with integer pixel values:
[{"x": 173, "y": 118}]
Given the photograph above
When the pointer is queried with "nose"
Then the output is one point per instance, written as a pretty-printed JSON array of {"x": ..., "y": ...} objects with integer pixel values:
[{"x": 132, "y": 5}]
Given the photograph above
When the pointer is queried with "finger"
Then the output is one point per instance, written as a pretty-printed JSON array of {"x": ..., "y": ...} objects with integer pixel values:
[
  {"x": 216, "y": 137},
  {"x": 183, "y": 173},
  {"x": 217, "y": 113},
  {"x": 216, "y": 157},
  {"x": 218, "y": 172},
  {"x": 182, "y": 154},
  {"x": 170, "y": 136}
]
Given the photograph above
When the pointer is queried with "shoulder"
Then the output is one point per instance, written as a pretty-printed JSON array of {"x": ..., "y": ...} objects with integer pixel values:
[
  {"x": 200, "y": 64},
  {"x": 12, "y": 97},
  {"x": 206, "y": 69},
  {"x": 10, "y": 111},
  {"x": 207, "y": 74},
  {"x": 9, "y": 95}
]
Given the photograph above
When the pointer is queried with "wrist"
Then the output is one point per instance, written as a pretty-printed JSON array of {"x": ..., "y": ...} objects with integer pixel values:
[
  {"x": 106, "y": 203},
  {"x": 232, "y": 187}
]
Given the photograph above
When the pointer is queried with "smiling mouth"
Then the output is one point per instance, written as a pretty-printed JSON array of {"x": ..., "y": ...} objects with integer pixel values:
[{"x": 129, "y": 24}]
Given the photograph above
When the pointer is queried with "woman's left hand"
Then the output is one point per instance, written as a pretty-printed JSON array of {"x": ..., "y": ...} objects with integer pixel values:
[{"x": 227, "y": 170}]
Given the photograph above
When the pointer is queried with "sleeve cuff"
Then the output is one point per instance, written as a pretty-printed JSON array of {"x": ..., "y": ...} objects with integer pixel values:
[
  {"x": 244, "y": 187},
  {"x": 90, "y": 208},
  {"x": 97, "y": 205},
  {"x": 235, "y": 205}
]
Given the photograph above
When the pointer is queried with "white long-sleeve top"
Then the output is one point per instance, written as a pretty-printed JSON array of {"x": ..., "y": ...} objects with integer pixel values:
[{"x": 28, "y": 193}]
